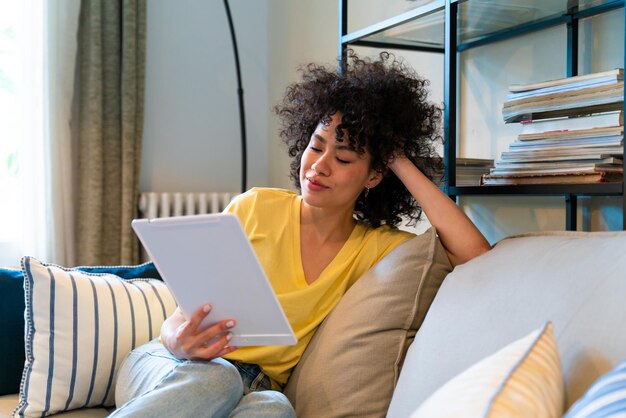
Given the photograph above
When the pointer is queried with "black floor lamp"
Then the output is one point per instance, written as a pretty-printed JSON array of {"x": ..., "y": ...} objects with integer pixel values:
[{"x": 242, "y": 115}]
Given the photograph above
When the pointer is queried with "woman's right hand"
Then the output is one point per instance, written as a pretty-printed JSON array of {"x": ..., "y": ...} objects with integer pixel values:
[{"x": 185, "y": 340}]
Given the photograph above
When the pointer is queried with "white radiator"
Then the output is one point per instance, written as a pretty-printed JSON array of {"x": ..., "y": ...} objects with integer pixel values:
[{"x": 162, "y": 205}]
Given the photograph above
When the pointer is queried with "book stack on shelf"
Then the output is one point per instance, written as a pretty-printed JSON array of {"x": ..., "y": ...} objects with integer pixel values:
[
  {"x": 469, "y": 171},
  {"x": 572, "y": 132},
  {"x": 571, "y": 96}
]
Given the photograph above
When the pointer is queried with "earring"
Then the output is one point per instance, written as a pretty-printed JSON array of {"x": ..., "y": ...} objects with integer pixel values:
[{"x": 367, "y": 191}]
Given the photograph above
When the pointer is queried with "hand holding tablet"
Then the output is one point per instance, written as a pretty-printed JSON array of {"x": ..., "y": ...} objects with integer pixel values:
[{"x": 208, "y": 259}]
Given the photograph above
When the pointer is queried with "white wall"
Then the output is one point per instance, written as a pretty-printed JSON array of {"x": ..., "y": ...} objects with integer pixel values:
[
  {"x": 191, "y": 130},
  {"x": 300, "y": 32},
  {"x": 191, "y": 139}
]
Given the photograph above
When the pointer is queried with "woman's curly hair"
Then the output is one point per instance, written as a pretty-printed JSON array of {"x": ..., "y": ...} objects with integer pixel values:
[{"x": 384, "y": 109}]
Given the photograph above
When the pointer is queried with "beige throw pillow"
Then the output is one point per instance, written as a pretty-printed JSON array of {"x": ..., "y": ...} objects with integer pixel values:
[
  {"x": 351, "y": 366},
  {"x": 522, "y": 379}
]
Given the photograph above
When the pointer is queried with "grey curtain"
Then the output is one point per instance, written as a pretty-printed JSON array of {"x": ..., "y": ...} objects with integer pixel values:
[{"x": 111, "y": 74}]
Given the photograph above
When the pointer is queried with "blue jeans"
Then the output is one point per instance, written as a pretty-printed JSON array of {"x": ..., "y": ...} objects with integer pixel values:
[{"x": 151, "y": 382}]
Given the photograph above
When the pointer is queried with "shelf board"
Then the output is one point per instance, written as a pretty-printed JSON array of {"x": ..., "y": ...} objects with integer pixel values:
[
  {"x": 479, "y": 22},
  {"x": 603, "y": 189}
]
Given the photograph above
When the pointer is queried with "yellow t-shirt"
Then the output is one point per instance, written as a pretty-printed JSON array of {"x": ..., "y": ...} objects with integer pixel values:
[{"x": 271, "y": 219}]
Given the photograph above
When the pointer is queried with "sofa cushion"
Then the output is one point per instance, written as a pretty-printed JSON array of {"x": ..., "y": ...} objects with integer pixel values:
[
  {"x": 79, "y": 327},
  {"x": 574, "y": 279},
  {"x": 9, "y": 402},
  {"x": 352, "y": 363},
  {"x": 605, "y": 398},
  {"x": 522, "y": 379},
  {"x": 12, "y": 316}
]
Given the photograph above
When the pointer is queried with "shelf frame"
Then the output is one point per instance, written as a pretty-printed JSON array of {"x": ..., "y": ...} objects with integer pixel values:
[
  {"x": 599, "y": 189},
  {"x": 515, "y": 31},
  {"x": 450, "y": 76},
  {"x": 358, "y": 37},
  {"x": 450, "y": 51}
]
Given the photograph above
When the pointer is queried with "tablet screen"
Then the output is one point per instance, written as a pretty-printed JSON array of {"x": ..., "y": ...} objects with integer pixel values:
[{"x": 208, "y": 259}]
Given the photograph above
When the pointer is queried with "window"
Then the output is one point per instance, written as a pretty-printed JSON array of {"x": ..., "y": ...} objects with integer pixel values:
[
  {"x": 11, "y": 207},
  {"x": 21, "y": 124}
]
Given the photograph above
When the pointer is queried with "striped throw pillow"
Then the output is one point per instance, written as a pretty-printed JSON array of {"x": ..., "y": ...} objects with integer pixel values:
[
  {"x": 523, "y": 380},
  {"x": 79, "y": 327},
  {"x": 605, "y": 398}
]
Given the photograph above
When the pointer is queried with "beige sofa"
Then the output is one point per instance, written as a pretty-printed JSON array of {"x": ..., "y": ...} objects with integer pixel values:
[{"x": 575, "y": 280}]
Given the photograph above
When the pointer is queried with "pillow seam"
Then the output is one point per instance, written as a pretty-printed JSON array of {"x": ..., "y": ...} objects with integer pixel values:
[
  {"x": 416, "y": 303},
  {"x": 515, "y": 367},
  {"x": 425, "y": 271},
  {"x": 30, "y": 331}
]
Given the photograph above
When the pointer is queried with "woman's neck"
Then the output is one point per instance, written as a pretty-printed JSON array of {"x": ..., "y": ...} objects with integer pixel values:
[{"x": 328, "y": 225}]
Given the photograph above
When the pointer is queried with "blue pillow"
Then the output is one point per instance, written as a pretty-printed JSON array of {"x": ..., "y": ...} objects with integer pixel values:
[
  {"x": 12, "y": 317},
  {"x": 12, "y": 329},
  {"x": 141, "y": 271},
  {"x": 605, "y": 398}
]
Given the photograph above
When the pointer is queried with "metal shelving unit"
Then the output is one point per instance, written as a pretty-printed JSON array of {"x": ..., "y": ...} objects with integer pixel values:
[{"x": 452, "y": 26}]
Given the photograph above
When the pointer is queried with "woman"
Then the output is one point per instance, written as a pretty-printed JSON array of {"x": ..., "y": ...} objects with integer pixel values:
[{"x": 362, "y": 148}]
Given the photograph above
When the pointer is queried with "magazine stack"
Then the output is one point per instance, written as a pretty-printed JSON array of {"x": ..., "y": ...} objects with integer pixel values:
[
  {"x": 572, "y": 132},
  {"x": 469, "y": 171}
]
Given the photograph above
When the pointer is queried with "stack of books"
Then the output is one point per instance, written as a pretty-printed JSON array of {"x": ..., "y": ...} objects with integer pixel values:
[
  {"x": 570, "y": 147},
  {"x": 469, "y": 171},
  {"x": 571, "y": 96}
]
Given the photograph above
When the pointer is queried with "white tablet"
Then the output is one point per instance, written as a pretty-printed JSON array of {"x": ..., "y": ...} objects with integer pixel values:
[{"x": 209, "y": 259}]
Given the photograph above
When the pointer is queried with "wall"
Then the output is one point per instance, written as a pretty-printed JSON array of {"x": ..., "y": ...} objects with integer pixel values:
[
  {"x": 304, "y": 31},
  {"x": 300, "y": 32},
  {"x": 191, "y": 135},
  {"x": 191, "y": 129}
]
